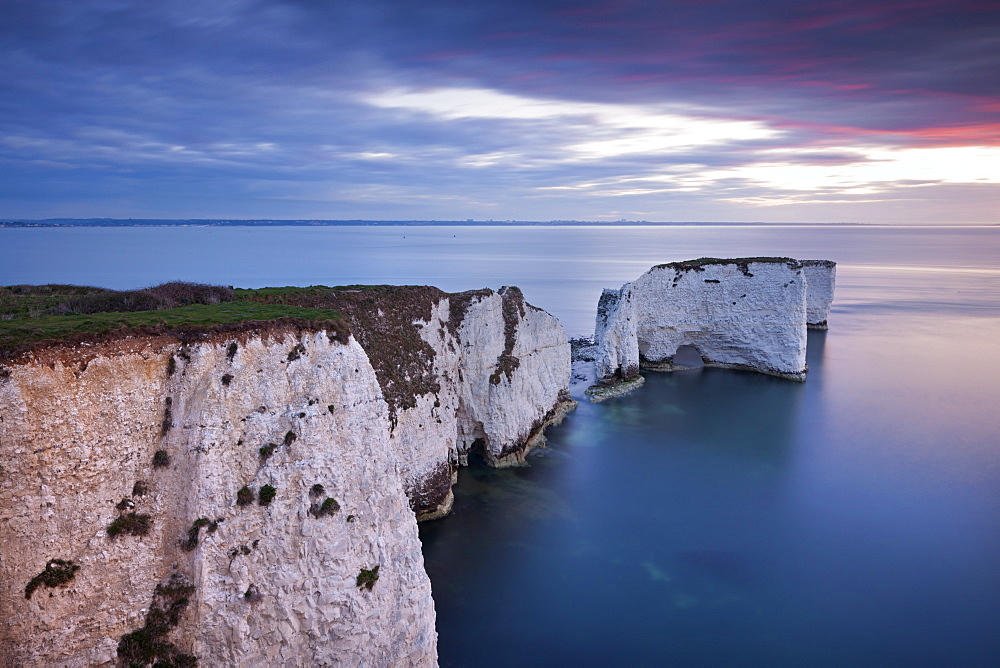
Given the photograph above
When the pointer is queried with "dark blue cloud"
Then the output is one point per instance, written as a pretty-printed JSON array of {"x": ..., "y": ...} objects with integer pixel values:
[{"x": 284, "y": 109}]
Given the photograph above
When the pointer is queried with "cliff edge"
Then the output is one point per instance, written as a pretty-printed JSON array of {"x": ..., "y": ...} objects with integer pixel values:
[{"x": 248, "y": 495}]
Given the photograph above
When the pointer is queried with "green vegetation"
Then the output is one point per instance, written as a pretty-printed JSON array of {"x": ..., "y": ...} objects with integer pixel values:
[
  {"x": 267, "y": 450},
  {"x": 195, "y": 530},
  {"x": 742, "y": 263},
  {"x": 140, "y": 488},
  {"x": 381, "y": 317},
  {"x": 367, "y": 578},
  {"x": 513, "y": 311},
  {"x": 148, "y": 645},
  {"x": 244, "y": 497},
  {"x": 31, "y": 314},
  {"x": 317, "y": 490},
  {"x": 57, "y": 573},
  {"x": 161, "y": 459},
  {"x": 131, "y": 523},
  {"x": 290, "y": 437},
  {"x": 226, "y": 379},
  {"x": 266, "y": 495},
  {"x": 702, "y": 261},
  {"x": 231, "y": 350},
  {"x": 168, "y": 416},
  {"x": 328, "y": 507}
]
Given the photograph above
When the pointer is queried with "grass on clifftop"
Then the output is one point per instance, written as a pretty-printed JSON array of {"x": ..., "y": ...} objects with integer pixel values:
[
  {"x": 702, "y": 261},
  {"x": 32, "y": 314},
  {"x": 381, "y": 317}
]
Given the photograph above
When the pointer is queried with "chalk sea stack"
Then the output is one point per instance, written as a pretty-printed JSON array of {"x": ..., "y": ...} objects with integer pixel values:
[{"x": 741, "y": 313}]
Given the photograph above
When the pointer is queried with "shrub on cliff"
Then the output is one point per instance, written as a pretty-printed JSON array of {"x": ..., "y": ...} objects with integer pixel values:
[
  {"x": 253, "y": 595},
  {"x": 195, "y": 531},
  {"x": 168, "y": 418},
  {"x": 244, "y": 497},
  {"x": 57, "y": 573},
  {"x": 266, "y": 495},
  {"x": 329, "y": 506},
  {"x": 180, "y": 293},
  {"x": 130, "y": 523},
  {"x": 367, "y": 578},
  {"x": 148, "y": 645}
]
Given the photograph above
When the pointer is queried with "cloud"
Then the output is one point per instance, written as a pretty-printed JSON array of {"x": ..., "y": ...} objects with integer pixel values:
[
  {"x": 586, "y": 130},
  {"x": 443, "y": 108}
]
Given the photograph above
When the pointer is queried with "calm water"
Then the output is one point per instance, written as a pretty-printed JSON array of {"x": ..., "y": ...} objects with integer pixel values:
[{"x": 713, "y": 517}]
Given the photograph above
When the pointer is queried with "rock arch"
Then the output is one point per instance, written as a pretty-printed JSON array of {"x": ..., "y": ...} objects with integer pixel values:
[{"x": 744, "y": 313}]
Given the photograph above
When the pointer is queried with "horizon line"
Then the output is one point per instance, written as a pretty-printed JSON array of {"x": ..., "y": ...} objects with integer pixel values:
[{"x": 332, "y": 222}]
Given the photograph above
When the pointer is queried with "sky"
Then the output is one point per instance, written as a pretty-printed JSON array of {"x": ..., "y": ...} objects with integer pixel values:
[{"x": 883, "y": 111}]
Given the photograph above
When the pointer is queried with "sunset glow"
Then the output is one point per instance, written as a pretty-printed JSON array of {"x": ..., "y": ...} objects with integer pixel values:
[{"x": 743, "y": 111}]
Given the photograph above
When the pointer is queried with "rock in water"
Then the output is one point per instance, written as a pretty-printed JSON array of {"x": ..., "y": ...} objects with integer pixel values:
[
  {"x": 821, "y": 278},
  {"x": 743, "y": 313}
]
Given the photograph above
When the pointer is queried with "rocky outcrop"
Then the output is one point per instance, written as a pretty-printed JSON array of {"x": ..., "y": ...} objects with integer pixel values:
[
  {"x": 503, "y": 367},
  {"x": 748, "y": 313},
  {"x": 250, "y": 498},
  {"x": 821, "y": 279}
]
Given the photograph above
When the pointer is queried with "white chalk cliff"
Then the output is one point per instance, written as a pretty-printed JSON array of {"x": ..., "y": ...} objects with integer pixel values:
[
  {"x": 177, "y": 444},
  {"x": 748, "y": 313},
  {"x": 821, "y": 280}
]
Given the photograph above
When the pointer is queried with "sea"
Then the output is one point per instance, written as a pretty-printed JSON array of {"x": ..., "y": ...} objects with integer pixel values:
[{"x": 712, "y": 517}]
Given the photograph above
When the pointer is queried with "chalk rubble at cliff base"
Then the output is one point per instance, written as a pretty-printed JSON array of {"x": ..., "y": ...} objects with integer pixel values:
[
  {"x": 743, "y": 313},
  {"x": 252, "y": 499}
]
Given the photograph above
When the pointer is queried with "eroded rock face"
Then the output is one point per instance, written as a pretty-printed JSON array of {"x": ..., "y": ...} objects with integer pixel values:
[
  {"x": 745, "y": 314},
  {"x": 481, "y": 369},
  {"x": 504, "y": 368},
  {"x": 80, "y": 435},
  {"x": 182, "y": 443}
]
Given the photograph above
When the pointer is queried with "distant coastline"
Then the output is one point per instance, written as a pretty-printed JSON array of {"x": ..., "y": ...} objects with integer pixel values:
[{"x": 228, "y": 222}]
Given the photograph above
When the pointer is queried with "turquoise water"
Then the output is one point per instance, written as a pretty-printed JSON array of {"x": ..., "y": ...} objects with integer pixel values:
[{"x": 713, "y": 517}]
